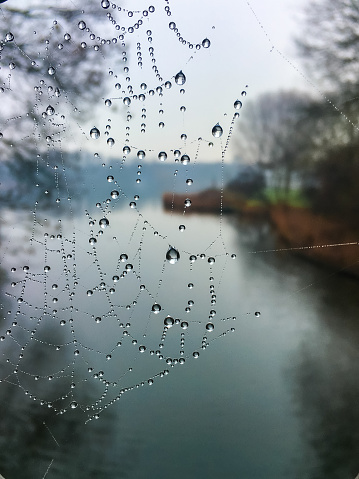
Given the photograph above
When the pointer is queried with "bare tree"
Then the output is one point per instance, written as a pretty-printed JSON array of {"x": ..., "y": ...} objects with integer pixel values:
[{"x": 272, "y": 132}]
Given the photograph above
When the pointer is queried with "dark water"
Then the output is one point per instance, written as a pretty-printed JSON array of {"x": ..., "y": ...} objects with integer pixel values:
[{"x": 278, "y": 398}]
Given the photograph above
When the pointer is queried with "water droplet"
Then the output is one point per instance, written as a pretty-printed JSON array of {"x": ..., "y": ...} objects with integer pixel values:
[
  {"x": 9, "y": 37},
  {"x": 172, "y": 25},
  {"x": 177, "y": 153},
  {"x": 123, "y": 257},
  {"x": 105, "y": 3},
  {"x": 184, "y": 325},
  {"x": 81, "y": 25},
  {"x": 185, "y": 159},
  {"x": 127, "y": 101},
  {"x": 142, "y": 349},
  {"x": 110, "y": 141},
  {"x": 183, "y": 108},
  {"x": 196, "y": 354},
  {"x": 51, "y": 71},
  {"x": 189, "y": 181},
  {"x": 73, "y": 405},
  {"x": 187, "y": 202},
  {"x": 210, "y": 326},
  {"x": 183, "y": 136},
  {"x": 257, "y": 314},
  {"x": 141, "y": 154},
  {"x": 156, "y": 308},
  {"x": 237, "y": 104},
  {"x": 103, "y": 223},
  {"x": 108, "y": 102},
  {"x": 162, "y": 156},
  {"x": 110, "y": 178},
  {"x": 50, "y": 110},
  {"x": 143, "y": 86},
  {"x": 217, "y": 131},
  {"x": 211, "y": 260},
  {"x": 182, "y": 228},
  {"x": 94, "y": 133},
  {"x": 126, "y": 150},
  {"x": 92, "y": 241},
  {"x": 206, "y": 43},
  {"x": 168, "y": 85},
  {"x": 168, "y": 321},
  {"x": 172, "y": 255},
  {"x": 193, "y": 258},
  {"x": 62, "y": 322},
  {"x": 114, "y": 194},
  {"x": 161, "y": 124},
  {"x": 180, "y": 78}
]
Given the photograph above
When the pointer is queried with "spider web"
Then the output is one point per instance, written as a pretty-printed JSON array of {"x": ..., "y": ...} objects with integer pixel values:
[{"x": 102, "y": 295}]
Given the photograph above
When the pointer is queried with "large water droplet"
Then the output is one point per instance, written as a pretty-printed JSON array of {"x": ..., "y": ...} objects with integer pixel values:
[
  {"x": 156, "y": 308},
  {"x": 172, "y": 255},
  {"x": 126, "y": 150},
  {"x": 105, "y": 3},
  {"x": 141, "y": 154},
  {"x": 108, "y": 102},
  {"x": 110, "y": 141},
  {"x": 127, "y": 101},
  {"x": 94, "y": 133},
  {"x": 9, "y": 37},
  {"x": 114, "y": 194},
  {"x": 162, "y": 156},
  {"x": 180, "y": 78},
  {"x": 185, "y": 159},
  {"x": 50, "y": 110},
  {"x": 206, "y": 43},
  {"x": 187, "y": 202},
  {"x": 168, "y": 321},
  {"x": 51, "y": 70},
  {"x": 217, "y": 131},
  {"x": 81, "y": 25},
  {"x": 73, "y": 405},
  {"x": 210, "y": 326},
  {"x": 103, "y": 223},
  {"x": 237, "y": 104}
]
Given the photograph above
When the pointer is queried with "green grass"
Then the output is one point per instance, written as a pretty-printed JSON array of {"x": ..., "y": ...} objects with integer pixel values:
[{"x": 294, "y": 198}]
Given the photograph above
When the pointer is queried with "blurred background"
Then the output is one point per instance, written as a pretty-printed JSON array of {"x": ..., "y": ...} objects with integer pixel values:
[{"x": 229, "y": 133}]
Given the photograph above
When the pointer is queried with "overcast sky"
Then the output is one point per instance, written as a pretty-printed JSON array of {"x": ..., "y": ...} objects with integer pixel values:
[{"x": 251, "y": 44}]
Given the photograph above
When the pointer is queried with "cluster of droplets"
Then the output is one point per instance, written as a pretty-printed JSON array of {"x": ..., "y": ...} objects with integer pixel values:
[{"x": 124, "y": 267}]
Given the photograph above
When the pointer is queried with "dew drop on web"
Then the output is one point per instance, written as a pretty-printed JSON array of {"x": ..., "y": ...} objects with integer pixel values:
[
  {"x": 95, "y": 133},
  {"x": 180, "y": 78},
  {"x": 172, "y": 255},
  {"x": 217, "y": 131}
]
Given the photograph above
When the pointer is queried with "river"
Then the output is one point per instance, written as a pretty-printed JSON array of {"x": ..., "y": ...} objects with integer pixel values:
[{"x": 277, "y": 398}]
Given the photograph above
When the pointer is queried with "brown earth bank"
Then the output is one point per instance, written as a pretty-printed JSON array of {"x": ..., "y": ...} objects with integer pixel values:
[
  {"x": 315, "y": 237},
  {"x": 210, "y": 201}
]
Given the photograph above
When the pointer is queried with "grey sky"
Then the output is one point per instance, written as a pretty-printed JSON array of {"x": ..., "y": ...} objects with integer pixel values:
[{"x": 251, "y": 44}]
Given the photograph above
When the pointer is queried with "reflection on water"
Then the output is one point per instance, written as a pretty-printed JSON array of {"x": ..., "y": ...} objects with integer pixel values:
[{"x": 276, "y": 399}]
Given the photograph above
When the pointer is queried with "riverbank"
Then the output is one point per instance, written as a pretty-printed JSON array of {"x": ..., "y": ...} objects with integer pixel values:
[
  {"x": 212, "y": 201},
  {"x": 328, "y": 242}
]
